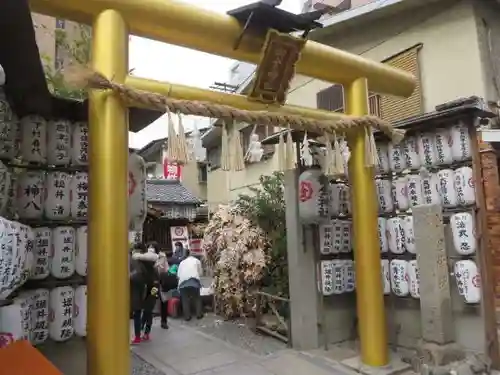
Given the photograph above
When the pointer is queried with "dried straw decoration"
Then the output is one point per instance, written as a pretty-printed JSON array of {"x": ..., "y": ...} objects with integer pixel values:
[{"x": 82, "y": 77}]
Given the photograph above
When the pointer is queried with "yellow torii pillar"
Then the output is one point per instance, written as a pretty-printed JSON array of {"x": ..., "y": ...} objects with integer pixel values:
[{"x": 185, "y": 25}]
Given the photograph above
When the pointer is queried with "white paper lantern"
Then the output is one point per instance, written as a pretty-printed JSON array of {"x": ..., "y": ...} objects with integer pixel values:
[
  {"x": 447, "y": 191},
  {"x": 326, "y": 274},
  {"x": 339, "y": 276},
  {"x": 61, "y": 301},
  {"x": 397, "y": 161},
  {"x": 427, "y": 149},
  {"x": 62, "y": 264},
  {"x": 461, "y": 142},
  {"x": 5, "y": 182},
  {"x": 443, "y": 142},
  {"x": 80, "y": 196},
  {"x": 468, "y": 280},
  {"x": 384, "y": 195},
  {"x": 9, "y": 257},
  {"x": 81, "y": 251},
  {"x": 9, "y": 130},
  {"x": 400, "y": 193},
  {"x": 464, "y": 186},
  {"x": 80, "y": 313},
  {"x": 386, "y": 277},
  {"x": 430, "y": 188},
  {"x": 10, "y": 209},
  {"x": 23, "y": 301},
  {"x": 41, "y": 253},
  {"x": 414, "y": 189},
  {"x": 58, "y": 142},
  {"x": 399, "y": 277},
  {"x": 137, "y": 205},
  {"x": 27, "y": 256},
  {"x": 80, "y": 144},
  {"x": 58, "y": 196},
  {"x": 313, "y": 197},
  {"x": 382, "y": 234},
  {"x": 325, "y": 238},
  {"x": 349, "y": 276},
  {"x": 410, "y": 152},
  {"x": 337, "y": 236},
  {"x": 414, "y": 277},
  {"x": 346, "y": 226},
  {"x": 395, "y": 235},
  {"x": 409, "y": 236},
  {"x": 34, "y": 139},
  {"x": 39, "y": 316},
  {"x": 11, "y": 324},
  {"x": 382, "y": 158},
  {"x": 30, "y": 194},
  {"x": 463, "y": 231}
]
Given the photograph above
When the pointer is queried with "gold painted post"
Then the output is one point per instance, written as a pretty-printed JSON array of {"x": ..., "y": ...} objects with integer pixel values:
[
  {"x": 108, "y": 350},
  {"x": 369, "y": 293}
]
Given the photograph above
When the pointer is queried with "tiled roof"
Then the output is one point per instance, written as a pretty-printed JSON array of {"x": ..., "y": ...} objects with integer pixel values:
[{"x": 169, "y": 192}]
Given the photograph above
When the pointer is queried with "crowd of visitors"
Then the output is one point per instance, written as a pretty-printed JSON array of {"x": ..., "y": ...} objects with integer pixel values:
[{"x": 155, "y": 276}]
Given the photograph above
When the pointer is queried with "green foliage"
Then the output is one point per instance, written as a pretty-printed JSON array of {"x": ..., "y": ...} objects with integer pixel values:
[
  {"x": 73, "y": 50},
  {"x": 266, "y": 208}
]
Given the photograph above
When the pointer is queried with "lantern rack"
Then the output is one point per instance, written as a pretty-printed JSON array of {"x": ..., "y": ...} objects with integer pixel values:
[
  {"x": 37, "y": 223},
  {"x": 44, "y": 167},
  {"x": 51, "y": 282}
]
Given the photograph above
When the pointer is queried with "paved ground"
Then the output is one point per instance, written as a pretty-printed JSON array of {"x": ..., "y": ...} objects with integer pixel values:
[{"x": 194, "y": 349}]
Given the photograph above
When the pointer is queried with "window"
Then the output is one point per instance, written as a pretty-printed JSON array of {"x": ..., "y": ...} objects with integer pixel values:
[
  {"x": 387, "y": 107},
  {"x": 60, "y": 24},
  {"x": 332, "y": 99},
  {"x": 263, "y": 132},
  {"x": 213, "y": 158},
  {"x": 202, "y": 173}
]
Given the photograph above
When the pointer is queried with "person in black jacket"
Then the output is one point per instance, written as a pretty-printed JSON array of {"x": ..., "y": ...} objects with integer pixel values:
[{"x": 144, "y": 286}]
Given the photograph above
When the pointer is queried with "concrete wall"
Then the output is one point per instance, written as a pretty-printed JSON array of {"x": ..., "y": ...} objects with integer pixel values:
[{"x": 450, "y": 47}]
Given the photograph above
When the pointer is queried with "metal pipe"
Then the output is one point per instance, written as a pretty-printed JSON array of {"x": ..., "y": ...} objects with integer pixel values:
[
  {"x": 204, "y": 30},
  {"x": 108, "y": 343},
  {"x": 234, "y": 100},
  {"x": 369, "y": 292}
]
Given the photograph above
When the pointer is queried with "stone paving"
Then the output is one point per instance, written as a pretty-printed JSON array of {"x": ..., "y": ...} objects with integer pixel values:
[{"x": 213, "y": 347}]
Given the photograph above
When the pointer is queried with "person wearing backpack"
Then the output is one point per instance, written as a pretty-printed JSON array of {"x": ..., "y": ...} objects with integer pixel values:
[{"x": 144, "y": 289}]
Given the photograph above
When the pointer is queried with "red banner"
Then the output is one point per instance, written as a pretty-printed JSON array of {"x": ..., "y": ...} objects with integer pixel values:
[{"x": 171, "y": 171}]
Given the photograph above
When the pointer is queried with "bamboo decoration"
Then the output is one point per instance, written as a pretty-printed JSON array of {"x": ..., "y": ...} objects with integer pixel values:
[
  {"x": 281, "y": 152},
  {"x": 237, "y": 157},
  {"x": 82, "y": 77},
  {"x": 172, "y": 141},
  {"x": 225, "y": 162},
  {"x": 181, "y": 142}
]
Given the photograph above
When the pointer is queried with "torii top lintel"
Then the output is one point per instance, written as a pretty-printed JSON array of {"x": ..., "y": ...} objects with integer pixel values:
[{"x": 189, "y": 26}]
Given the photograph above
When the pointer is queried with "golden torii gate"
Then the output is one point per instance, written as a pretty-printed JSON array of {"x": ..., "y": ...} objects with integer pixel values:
[{"x": 185, "y": 25}]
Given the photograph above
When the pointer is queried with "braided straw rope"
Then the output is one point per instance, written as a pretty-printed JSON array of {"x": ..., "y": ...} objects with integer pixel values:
[{"x": 83, "y": 77}]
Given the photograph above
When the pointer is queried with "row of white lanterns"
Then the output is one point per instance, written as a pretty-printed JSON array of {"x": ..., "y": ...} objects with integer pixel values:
[
  {"x": 448, "y": 188},
  {"x": 38, "y": 315},
  {"x": 54, "y": 142},
  {"x": 27, "y": 253},
  {"x": 401, "y": 277},
  {"x": 396, "y": 235},
  {"x": 444, "y": 146}
]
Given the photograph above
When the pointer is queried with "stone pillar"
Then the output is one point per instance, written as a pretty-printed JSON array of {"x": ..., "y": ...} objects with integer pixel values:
[
  {"x": 435, "y": 299},
  {"x": 304, "y": 306}
]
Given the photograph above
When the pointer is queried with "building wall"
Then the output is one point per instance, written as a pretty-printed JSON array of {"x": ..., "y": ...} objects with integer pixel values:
[
  {"x": 449, "y": 49},
  {"x": 450, "y": 67},
  {"x": 189, "y": 175}
]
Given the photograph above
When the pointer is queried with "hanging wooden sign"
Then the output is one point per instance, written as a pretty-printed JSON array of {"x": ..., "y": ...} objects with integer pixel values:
[{"x": 276, "y": 68}]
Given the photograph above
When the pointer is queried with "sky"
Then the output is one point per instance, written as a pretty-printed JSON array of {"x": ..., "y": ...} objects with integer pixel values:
[{"x": 165, "y": 62}]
